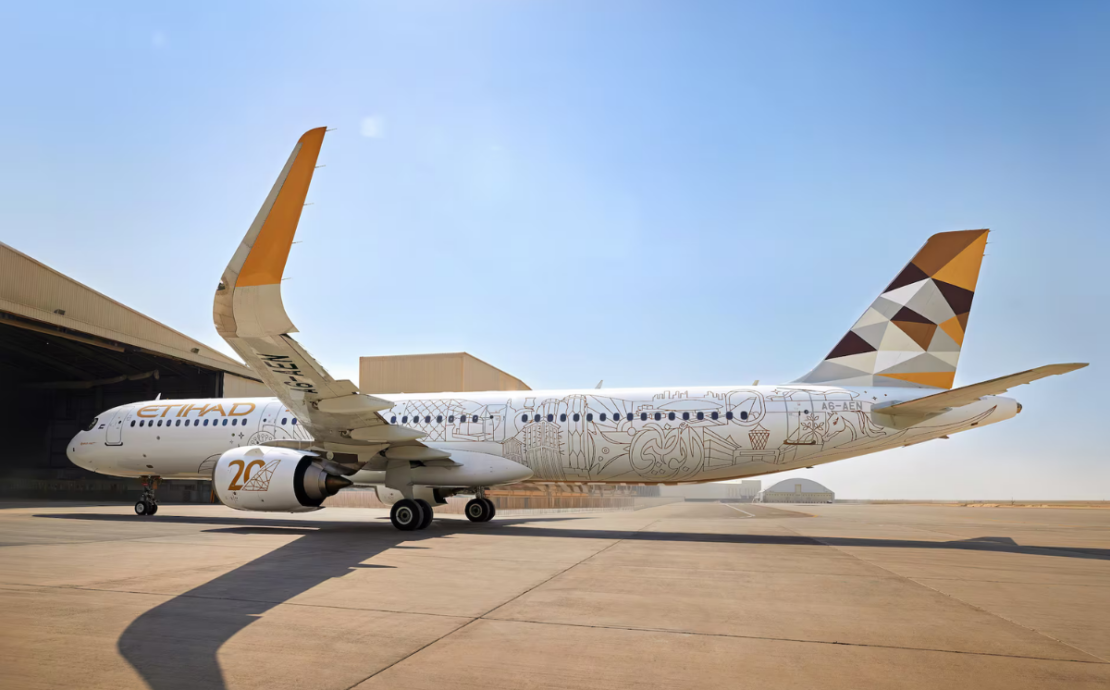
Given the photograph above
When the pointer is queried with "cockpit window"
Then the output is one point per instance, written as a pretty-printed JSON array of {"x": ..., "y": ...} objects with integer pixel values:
[{"x": 92, "y": 424}]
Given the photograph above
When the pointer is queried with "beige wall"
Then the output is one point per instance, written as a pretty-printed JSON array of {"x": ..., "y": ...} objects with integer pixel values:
[
  {"x": 239, "y": 387},
  {"x": 436, "y": 373}
]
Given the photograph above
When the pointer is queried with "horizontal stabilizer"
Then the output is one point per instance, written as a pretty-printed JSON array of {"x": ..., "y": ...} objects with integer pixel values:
[{"x": 958, "y": 397}]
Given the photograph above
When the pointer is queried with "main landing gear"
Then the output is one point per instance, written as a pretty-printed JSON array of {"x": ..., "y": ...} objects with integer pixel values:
[
  {"x": 147, "y": 505},
  {"x": 480, "y": 510},
  {"x": 411, "y": 514}
]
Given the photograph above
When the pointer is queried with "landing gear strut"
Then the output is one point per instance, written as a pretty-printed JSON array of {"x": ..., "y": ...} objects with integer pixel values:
[
  {"x": 411, "y": 514},
  {"x": 147, "y": 505},
  {"x": 480, "y": 510}
]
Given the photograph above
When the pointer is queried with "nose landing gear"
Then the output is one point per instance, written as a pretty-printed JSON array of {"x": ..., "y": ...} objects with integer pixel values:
[{"x": 147, "y": 505}]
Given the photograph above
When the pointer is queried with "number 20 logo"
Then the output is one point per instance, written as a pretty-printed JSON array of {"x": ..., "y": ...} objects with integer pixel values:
[{"x": 244, "y": 473}]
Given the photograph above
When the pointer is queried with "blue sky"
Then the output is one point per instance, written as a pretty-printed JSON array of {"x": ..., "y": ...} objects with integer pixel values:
[{"x": 647, "y": 193}]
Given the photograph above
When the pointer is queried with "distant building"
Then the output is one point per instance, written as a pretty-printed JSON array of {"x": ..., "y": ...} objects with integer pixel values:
[
  {"x": 714, "y": 491},
  {"x": 796, "y": 490}
]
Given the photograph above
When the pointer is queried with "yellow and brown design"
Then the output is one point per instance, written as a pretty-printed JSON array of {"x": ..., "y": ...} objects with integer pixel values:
[{"x": 911, "y": 335}]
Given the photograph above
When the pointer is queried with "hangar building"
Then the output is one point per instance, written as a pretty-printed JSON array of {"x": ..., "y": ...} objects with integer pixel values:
[
  {"x": 68, "y": 353},
  {"x": 796, "y": 490}
]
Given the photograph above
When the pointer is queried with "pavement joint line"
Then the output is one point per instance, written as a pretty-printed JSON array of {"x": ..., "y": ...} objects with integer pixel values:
[
  {"x": 275, "y": 604},
  {"x": 729, "y": 505},
  {"x": 968, "y": 604},
  {"x": 1097, "y": 661},
  {"x": 495, "y": 608}
]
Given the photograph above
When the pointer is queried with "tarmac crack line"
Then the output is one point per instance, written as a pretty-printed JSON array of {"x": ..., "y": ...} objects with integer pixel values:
[
  {"x": 955, "y": 598},
  {"x": 1096, "y": 662},
  {"x": 501, "y": 605}
]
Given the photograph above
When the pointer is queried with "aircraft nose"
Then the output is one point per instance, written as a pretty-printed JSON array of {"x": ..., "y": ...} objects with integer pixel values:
[{"x": 71, "y": 449}]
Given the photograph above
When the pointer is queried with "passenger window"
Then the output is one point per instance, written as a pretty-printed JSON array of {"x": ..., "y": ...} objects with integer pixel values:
[
  {"x": 439, "y": 419},
  {"x": 670, "y": 416},
  {"x": 404, "y": 420},
  {"x": 658, "y": 416},
  {"x": 590, "y": 417},
  {"x": 224, "y": 422},
  {"x": 475, "y": 419},
  {"x": 685, "y": 416},
  {"x": 294, "y": 421},
  {"x": 563, "y": 417},
  {"x": 178, "y": 423},
  {"x": 284, "y": 420},
  {"x": 428, "y": 419},
  {"x": 713, "y": 416},
  {"x": 728, "y": 415},
  {"x": 451, "y": 419},
  {"x": 629, "y": 417},
  {"x": 159, "y": 422},
  {"x": 524, "y": 418},
  {"x": 206, "y": 422},
  {"x": 577, "y": 417},
  {"x": 601, "y": 417},
  {"x": 393, "y": 419},
  {"x": 701, "y": 416},
  {"x": 536, "y": 419},
  {"x": 743, "y": 415},
  {"x": 132, "y": 423},
  {"x": 551, "y": 418},
  {"x": 643, "y": 416}
]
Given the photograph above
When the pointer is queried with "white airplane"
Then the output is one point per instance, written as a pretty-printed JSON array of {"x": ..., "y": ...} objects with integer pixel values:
[{"x": 887, "y": 383}]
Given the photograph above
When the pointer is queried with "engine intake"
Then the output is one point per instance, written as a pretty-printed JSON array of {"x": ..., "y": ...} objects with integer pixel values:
[{"x": 273, "y": 479}]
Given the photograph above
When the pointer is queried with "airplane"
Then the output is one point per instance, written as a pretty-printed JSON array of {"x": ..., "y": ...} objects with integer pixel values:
[{"x": 887, "y": 383}]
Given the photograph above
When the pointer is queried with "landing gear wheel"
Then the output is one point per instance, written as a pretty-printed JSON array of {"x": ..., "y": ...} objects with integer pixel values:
[
  {"x": 480, "y": 510},
  {"x": 406, "y": 515},
  {"x": 153, "y": 508},
  {"x": 144, "y": 508},
  {"x": 427, "y": 508},
  {"x": 476, "y": 510}
]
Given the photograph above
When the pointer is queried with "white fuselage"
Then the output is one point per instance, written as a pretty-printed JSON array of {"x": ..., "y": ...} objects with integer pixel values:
[{"x": 642, "y": 435}]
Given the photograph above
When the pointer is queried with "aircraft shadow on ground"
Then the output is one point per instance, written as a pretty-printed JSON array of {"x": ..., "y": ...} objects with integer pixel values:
[{"x": 175, "y": 644}]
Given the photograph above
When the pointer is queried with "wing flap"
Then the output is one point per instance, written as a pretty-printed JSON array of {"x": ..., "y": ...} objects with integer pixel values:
[{"x": 958, "y": 397}]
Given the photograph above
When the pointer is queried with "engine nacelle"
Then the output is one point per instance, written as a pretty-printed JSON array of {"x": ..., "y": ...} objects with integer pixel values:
[
  {"x": 389, "y": 496},
  {"x": 272, "y": 479}
]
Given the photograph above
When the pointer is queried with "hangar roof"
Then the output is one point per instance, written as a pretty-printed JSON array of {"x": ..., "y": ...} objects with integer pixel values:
[
  {"x": 786, "y": 486},
  {"x": 37, "y": 293}
]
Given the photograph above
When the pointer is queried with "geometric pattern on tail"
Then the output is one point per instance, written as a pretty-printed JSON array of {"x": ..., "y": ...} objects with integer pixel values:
[{"x": 911, "y": 335}]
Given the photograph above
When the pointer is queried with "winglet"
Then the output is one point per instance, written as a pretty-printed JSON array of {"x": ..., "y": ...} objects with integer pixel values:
[{"x": 253, "y": 277}]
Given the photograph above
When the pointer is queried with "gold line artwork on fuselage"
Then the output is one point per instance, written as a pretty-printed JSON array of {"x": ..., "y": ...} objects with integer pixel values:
[{"x": 670, "y": 437}]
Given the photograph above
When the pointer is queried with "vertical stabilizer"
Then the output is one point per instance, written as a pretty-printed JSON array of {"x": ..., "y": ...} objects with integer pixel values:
[{"x": 911, "y": 335}]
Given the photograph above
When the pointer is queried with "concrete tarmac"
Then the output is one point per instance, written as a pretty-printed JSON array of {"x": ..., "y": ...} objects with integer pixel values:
[{"x": 678, "y": 596}]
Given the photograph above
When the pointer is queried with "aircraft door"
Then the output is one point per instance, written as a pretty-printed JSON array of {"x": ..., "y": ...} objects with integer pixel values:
[
  {"x": 801, "y": 428},
  {"x": 114, "y": 428}
]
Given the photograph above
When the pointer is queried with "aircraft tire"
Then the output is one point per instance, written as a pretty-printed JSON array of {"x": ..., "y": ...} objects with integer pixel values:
[
  {"x": 142, "y": 508},
  {"x": 153, "y": 509},
  {"x": 428, "y": 515},
  {"x": 477, "y": 510},
  {"x": 406, "y": 515},
  {"x": 490, "y": 508}
]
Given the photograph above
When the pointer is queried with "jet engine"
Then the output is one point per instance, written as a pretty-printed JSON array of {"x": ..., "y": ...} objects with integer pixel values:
[{"x": 273, "y": 479}]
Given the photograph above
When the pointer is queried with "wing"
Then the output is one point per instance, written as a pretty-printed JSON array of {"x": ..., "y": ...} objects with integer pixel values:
[
  {"x": 250, "y": 316},
  {"x": 935, "y": 404}
]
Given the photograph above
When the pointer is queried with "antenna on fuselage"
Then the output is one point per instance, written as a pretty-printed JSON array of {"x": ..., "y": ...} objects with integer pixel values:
[{"x": 599, "y": 384}]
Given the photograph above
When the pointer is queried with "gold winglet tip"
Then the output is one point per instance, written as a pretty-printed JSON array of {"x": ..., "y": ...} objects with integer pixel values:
[{"x": 265, "y": 264}]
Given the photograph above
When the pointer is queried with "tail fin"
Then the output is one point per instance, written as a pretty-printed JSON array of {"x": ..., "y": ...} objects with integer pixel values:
[{"x": 911, "y": 335}]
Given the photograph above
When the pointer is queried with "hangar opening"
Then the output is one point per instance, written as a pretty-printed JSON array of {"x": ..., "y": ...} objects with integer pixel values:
[{"x": 68, "y": 353}]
